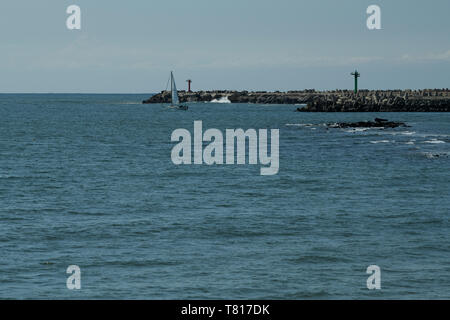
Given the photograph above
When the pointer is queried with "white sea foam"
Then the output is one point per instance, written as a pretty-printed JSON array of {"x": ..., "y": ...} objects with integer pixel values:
[
  {"x": 435, "y": 141},
  {"x": 221, "y": 100},
  {"x": 357, "y": 130},
  {"x": 382, "y": 141},
  {"x": 299, "y": 124},
  {"x": 433, "y": 135},
  {"x": 415, "y": 134}
]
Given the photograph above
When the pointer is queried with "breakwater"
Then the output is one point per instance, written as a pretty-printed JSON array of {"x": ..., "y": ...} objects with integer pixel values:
[
  {"x": 262, "y": 97},
  {"x": 428, "y": 100}
]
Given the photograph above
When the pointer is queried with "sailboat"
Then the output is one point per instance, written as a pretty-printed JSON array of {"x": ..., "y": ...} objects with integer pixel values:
[{"x": 175, "y": 100}]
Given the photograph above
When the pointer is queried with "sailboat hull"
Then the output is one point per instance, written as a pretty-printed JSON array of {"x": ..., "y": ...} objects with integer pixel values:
[{"x": 179, "y": 107}]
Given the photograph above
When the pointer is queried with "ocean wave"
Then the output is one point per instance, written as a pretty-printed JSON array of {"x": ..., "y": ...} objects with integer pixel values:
[
  {"x": 382, "y": 141},
  {"x": 435, "y": 141},
  {"x": 353, "y": 130},
  {"x": 306, "y": 125},
  {"x": 299, "y": 124},
  {"x": 415, "y": 134},
  {"x": 221, "y": 100},
  {"x": 7, "y": 176}
]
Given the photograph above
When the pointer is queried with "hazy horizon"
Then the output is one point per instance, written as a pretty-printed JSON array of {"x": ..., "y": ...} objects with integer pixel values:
[
  {"x": 233, "y": 45},
  {"x": 212, "y": 90}
]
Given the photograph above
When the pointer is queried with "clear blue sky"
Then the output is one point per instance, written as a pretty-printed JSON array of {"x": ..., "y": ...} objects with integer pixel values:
[{"x": 131, "y": 46}]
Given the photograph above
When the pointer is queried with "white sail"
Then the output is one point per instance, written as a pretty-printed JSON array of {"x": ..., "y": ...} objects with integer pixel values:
[{"x": 175, "y": 99}]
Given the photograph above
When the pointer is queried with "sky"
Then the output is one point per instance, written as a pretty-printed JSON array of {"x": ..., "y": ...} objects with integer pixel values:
[{"x": 131, "y": 46}]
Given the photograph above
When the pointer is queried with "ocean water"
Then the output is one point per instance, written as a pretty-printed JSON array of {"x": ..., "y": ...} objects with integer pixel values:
[{"x": 88, "y": 180}]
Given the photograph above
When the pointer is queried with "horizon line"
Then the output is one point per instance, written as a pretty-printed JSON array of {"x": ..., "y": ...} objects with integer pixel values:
[{"x": 212, "y": 90}]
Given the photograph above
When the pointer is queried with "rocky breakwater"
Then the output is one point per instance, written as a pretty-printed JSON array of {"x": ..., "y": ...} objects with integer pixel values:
[
  {"x": 260, "y": 97},
  {"x": 429, "y": 100},
  {"x": 433, "y": 100}
]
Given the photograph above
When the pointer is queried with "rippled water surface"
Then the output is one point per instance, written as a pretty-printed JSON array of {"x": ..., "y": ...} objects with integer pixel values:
[{"x": 88, "y": 180}]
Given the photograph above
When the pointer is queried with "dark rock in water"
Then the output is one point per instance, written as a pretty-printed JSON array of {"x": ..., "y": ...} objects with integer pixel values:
[
  {"x": 436, "y": 155},
  {"x": 378, "y": 123}
]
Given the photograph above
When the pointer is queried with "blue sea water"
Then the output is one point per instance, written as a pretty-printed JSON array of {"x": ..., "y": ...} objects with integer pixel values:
[{"x": 88, "y": 180}]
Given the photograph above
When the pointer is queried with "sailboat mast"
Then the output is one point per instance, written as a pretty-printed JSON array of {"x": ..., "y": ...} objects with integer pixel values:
[
  {"x": 174, "y": 94},
  {"x": 171, "y": 81}
]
